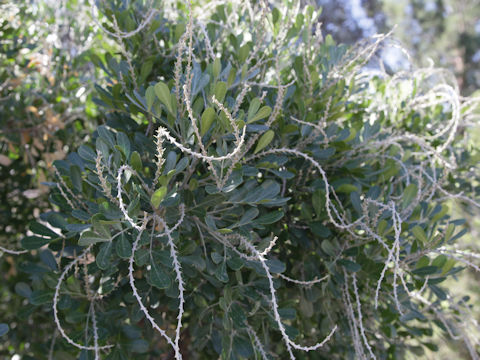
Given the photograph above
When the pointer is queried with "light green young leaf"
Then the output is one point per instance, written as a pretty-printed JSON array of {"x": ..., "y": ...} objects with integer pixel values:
[
  {"x": 220, "y": 91},
  {"x": 150, "y": 97},
  {"x": 419, "y": 233},
  {"x": 253, "y": 108},
  {"x": 136, "y": 161},
  {"x": 346, "y": 188},
  {"x": 207, "y": 119},
  {"x": 264, "y": 140},
  {"x": 409, "y": 194},
  {"x": 217, "y": 67},
  {"x": 163, "y": 93},
  {"x": 261, "y": 114},
  {"x": 243, "y": 53},
  {"x": 158, "y": 196}
]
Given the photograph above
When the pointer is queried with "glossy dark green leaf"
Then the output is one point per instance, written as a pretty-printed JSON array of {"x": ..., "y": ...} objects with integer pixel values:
[
  {"x": 34, "y": 242},
  {"x": 123, "y": 247},
  {"x": 42, "y": 230},
  {"x": 158, "y": 276},
  {"x": 124, "y": 143},
  {"x": 237, "y": 315},
  {"x": 104, "y": 255},
  {"x": 270, "y": 218},
  {"x": 221, "y": 272},
  {"x": 426, "y": 270}
]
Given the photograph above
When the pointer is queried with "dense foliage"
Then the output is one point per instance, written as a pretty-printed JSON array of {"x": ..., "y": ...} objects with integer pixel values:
[{"x": 255, "y": 191}]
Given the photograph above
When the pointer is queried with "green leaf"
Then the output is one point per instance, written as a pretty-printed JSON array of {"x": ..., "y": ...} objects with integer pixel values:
[
  {"x": 179, "y": 30},
  {"x": 86, "y": 153},
  {"x": 449, "y": 231},
  {"x": 220, "y": 91},
  {"x": 419, "y": 234},
  {"x": 158, "y": 277},
  {"x": 232, "y": 76},
  {"x": 270, "y": 218},
  {"x": 104, "y": 255},
  {"x": 253, "y": 108},
  {"x": 136, "y": 161},
  {"x": 424, "y": 271},
  {"x": 264, "y": 140},
  {"x": 328, "y": 247},
  {"x": 90, "y": 237},
  {"x": 350, "y": 265},
  {"x": 382, "y": 226},
  {"x": 158, "y": 196},
  {"x": 275, "y": 266},
  {"x": 207, "y": 119},
  {"x": 124, "y": 143},
  {"x": 352, "y": 134},
  {"x": 76, "y": 177},
  {"x": 150, "y": 96},
  {"x": 243, "y": 53},
  {"x": 441, "y": 213},
  {"x": 106, "y": 135},
  {"x": 320, "y": 230},
  {"x": 409, "y": 194},
  {"x": 306, "y": 307},
  {"x": 23, "y": 289},
  {"x": 42, "y": 230},
  {"x": 216, "y": 258},
  {"x": 146, "y": 69},
  {"x": 217, "y": 67},
  {"x": 318, "y": 202},
  {"x": 141, "y": 257},
  {"x": 221, "y": 273},
  {"x": 123, "y": 247},
  {"x": 237, "y": 315},
  {"x": 163, "y": 93},
  {"x": 448, "y": 266},
  {"x": 139, "y": 346},
  {"x": 34, "y": 242},
  {"x": 261, "y": 114},
  {"x": 3, "y": 329},
  {"x": 346, "y": 188},
  {"x": 423, "y": 261},
  {"x": 440, "y": 261},
  {"x": 247, "y": 218},
  {"x": 40, "y": 297}
]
